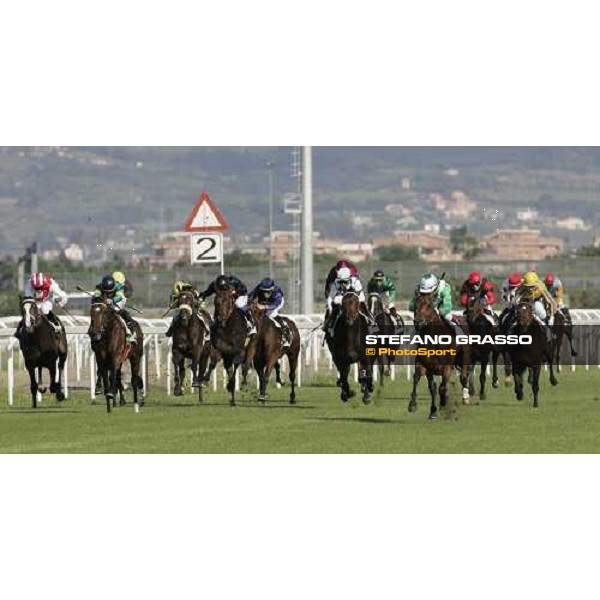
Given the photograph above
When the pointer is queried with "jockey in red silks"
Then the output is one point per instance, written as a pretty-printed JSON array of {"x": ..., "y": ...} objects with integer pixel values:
[
  {"x": 478, "y": 288},
  {"x": 46, "y": 292},
  {"x": 342, "y": 264}
]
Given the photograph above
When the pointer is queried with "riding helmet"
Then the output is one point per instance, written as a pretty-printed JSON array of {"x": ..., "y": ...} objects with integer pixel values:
[{"x": 108, "y": 284}]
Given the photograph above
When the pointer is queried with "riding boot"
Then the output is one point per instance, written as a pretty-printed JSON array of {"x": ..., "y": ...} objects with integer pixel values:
[
  {"x": 286, "y": 334},
  {"x": 250, "y": 323},
  {"x": 364, "y": 310},
  {"x": 172, "y": 326},
  {"x": 131, "y": 326},
  {"x": 54, "y": 321}
]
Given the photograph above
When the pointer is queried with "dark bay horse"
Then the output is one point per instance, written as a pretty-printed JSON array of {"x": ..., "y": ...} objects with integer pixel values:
[
  {"x": 269, "y": 350},
  {"x": 112, "y": 350},
  {"x": 442, "y": 363},
  {"x": 42, "y": 349},
  {"x": 190, "y": 341},
  {"x": 347, "y": 347},
  {"x": 230, "y": 338},
  {"x": 478, "y": 324},
  {"x": 530, "y": 357},
  {"x": 386, "y": 325}
]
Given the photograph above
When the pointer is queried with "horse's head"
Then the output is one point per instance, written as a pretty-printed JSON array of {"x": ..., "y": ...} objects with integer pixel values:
[
  {"x": 98, "y": 319},
  {"x": 525, "y": 313},
  {"x": 31, "y": 314},
  {"x": 258, "y": 311},
  {"x": 425, "y": 312},
  {"x": 186, "y": 304},
  {"x": 474, "y": 309},
  {"x": 224, "y": 306},
  {"x": 350, "y": 307},
  {"x": 376, "y": 304}
]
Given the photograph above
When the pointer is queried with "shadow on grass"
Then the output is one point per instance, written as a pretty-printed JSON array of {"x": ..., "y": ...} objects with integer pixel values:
[
  {"x": 43, "y": 411},
  {"x": 365, "y": 420},
  {"x": 239, "y": 406}
]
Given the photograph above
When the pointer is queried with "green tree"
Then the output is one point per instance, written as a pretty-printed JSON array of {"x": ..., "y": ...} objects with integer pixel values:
[{"x": 398, "y": 253}]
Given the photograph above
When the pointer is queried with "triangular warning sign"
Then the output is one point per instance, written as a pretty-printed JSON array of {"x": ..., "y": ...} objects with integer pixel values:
[{"x": 206, "y": 217}]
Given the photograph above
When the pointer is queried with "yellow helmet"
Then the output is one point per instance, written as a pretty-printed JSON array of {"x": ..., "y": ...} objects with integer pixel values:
[
  {"x": 119, "y": 277},
  {"x": 531, "y": 279}
]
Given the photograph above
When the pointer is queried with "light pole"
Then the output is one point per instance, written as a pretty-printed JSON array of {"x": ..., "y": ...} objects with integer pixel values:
[
  {"x": 270, "y": 165},
  {"x": 307, "y": 266}
]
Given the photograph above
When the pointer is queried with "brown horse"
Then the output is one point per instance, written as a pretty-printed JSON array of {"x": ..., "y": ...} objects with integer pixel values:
[
  {"x": 189, "y": 341},
  {"x": 428, "y": 322},
  {"x": 481, "y": 353},
  {"x": 386, "y": 325},
  {"x": 347, "y": 347},
  {"x": 230, "y": 338},
  {"x": 109, "y": 342},
  {"x": 42, "y": 349},
  {"x": 269, "y": 350},
  {"x": 530, "y": 357}
]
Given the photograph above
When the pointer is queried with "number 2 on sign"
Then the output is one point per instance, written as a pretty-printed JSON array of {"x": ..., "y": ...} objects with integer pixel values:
[{"x": 206, "y": 248}]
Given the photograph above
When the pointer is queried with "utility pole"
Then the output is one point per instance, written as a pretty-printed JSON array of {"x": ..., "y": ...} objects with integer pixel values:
[
  {"x": 270, "y": 165},
  {"x": 307, "y": 257}
]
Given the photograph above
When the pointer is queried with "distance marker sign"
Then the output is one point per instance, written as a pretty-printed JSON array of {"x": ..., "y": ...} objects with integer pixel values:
[{"x": 207, "y": 248}]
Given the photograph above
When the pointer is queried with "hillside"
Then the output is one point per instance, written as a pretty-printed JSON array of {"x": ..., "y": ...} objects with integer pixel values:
[{"x": 81, "y": 193}]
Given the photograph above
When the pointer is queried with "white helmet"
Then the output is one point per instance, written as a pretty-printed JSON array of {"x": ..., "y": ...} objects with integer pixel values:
[
  {"x": 429, "y": 284},
  {"x": 344, "y": 275}
]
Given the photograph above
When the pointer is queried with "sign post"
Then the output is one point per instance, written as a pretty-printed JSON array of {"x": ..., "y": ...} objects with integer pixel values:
[{"x": 206, "y": 225}]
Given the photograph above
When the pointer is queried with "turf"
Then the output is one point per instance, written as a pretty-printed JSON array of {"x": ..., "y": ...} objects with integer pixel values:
[{"x": 568, "y": 421}]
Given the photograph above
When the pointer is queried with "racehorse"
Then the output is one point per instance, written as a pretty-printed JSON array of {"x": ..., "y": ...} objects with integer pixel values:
[
  {"x": 109, "y": 341},
  {"x": 347, "y": 347},
  {"x": 230, "y": 338},
  {"x": 442, "y": 362},
  {"x": 530, "y": 357},
  {"x": 561, "y": 329},
  {"x": 269, "y": 351},
  {"x": 386, "y": 325},
  {"x": 42, "y": 349},
  {"x": 189, "y": 335},
  {"x": 480, "y": 353}
]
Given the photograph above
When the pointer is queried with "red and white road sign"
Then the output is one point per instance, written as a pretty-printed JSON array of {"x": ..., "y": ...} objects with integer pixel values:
[{"x": 206, "y": 217}]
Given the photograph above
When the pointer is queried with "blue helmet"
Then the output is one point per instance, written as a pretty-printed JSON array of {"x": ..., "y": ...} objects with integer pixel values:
[
  {"x": 267, "y": 285},
  {"x": 379, "y": 274}
]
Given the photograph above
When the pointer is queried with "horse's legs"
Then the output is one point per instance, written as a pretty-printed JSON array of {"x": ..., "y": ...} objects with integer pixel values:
[
  {"x": 134, "y": 361},
  {"x": 266, "y": 375},
  {"x": 346, "y": 394},
  {"x": 62, "y": 359},
  {"x": 518, "y": 372},
  {"x": 110, "y": 390},
  {"x": 433, "y": 392},
  {"x": 445, "y": 398},
  {"x": 366, "y": 380},
  {"x": 293, "y": 361},
  {"x": 178, "y": 374},
  {"x": 535, "y": 384},
  {"x": 483, "y": 376},
  {"x": 231, "y": 366},
  {"x": 419, "y": 371},
  {"x": 569, "y": 334},
  {"x": 214, "y": 361},
  {"x": 508, "y": 369},
  {"x": 33, "y": 386},
  {"x": 495, "y": 357}
]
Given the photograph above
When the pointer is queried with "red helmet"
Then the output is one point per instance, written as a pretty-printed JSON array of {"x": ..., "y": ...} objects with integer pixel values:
[
  {"x": 549, "y": 279},
  {"x": 514, "y": 281},
  {"x": 475, "y": 278},
  {"x": 39, "y": 281}
]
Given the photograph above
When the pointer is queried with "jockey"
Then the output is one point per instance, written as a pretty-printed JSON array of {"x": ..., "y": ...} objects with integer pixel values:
[
  {"x": 510, "y": 287},
  {"x": 344, "y": 283},
  {"x": 556, "y": 290},
  {"x": 442, "y": 292},
  {"x": 118, "y": 289},
  {"x": 479, "y": 288},
  {"x": 240, "y": 291},
  {"x": 544, "y": 306},
  {"x": 268, "y": 294},
  {"x": 334, "y": 273},
  {"x": 179, "y": 287},
  {"x": 46, "y": 291},
  {"x": 383, "y": 284}
]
